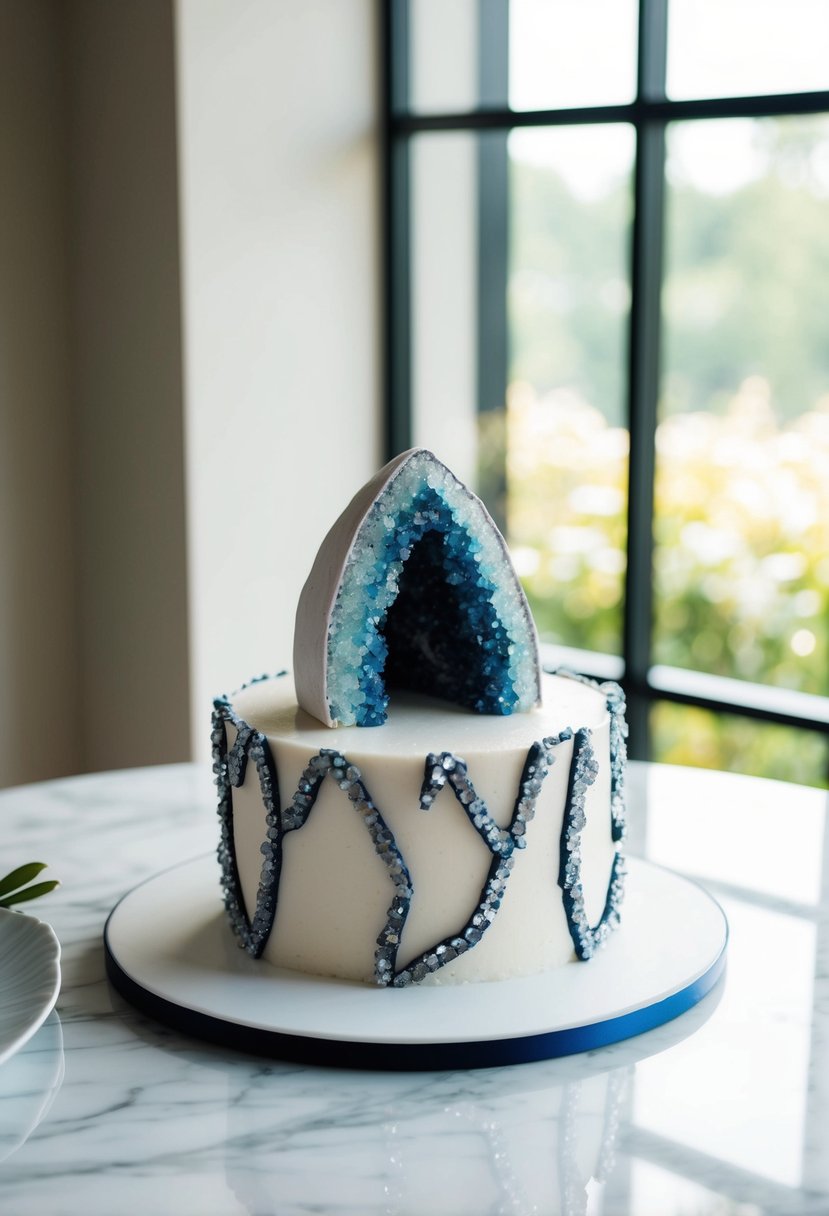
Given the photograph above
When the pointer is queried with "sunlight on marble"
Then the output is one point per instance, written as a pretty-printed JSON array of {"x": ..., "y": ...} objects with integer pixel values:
[
  {"x": 724, "y": 1112},
  {"x": 755, "y": 1058},
  {"x": 655, "y": 1192},
  {"x": 767, "y": 836}
]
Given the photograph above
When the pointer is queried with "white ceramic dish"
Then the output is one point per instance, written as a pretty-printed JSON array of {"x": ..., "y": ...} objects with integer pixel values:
[{"x": 29, "y": 978}]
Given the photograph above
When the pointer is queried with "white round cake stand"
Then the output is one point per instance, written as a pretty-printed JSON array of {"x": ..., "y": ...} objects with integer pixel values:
[{"x": 171, "y": 954}]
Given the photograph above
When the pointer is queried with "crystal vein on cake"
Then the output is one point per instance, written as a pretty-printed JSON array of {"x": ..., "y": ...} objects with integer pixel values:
[
  {"x": 413, "y": 587},
  {"x": 231, "y": 763}
]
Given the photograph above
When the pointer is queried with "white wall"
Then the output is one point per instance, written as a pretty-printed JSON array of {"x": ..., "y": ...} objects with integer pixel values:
[
  {"x": 270, "y": 131},
  {"x": 39, "y": 728},
  {"x": 133, "y": 697},
  {"x": 93, "y": 603},
  {"x": 279, "y": 215}
]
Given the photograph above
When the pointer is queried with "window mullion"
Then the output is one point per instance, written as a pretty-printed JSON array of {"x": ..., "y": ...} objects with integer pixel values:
[
  {"x": 396, "y": 231},
  {"x": 652, "y": 68},
  {"x": 643, "y": 368},
  {"x": 492, "y": 370}
]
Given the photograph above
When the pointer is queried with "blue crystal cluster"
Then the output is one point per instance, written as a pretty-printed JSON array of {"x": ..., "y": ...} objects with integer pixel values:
[{"x": 458, "y": 626}]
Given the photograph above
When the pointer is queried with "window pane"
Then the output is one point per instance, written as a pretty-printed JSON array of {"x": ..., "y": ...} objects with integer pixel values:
[
  {"x": 742, "y": 493},
  {"x": 444, "y": 221},
  {"x": 686, "y": 734},
  {"x": 541, "y": 434},
  {"x": 564, "y": 54},
  {"x": 732, "y": 47},
  {"x": 530, "y": 54},
  {"x": 568, "y": 309},
  {"x": 443, "y": 56}
]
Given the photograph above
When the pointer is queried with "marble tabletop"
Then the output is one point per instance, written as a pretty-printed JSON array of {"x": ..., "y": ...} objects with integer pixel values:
[{"x": 725, "y": 1110}]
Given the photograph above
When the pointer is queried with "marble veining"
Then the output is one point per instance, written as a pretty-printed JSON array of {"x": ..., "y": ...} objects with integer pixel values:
[{"x": 726, "y": 1109}]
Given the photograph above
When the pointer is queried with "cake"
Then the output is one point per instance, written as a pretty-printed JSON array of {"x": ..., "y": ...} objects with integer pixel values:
[{"x": 418, "y": 802}]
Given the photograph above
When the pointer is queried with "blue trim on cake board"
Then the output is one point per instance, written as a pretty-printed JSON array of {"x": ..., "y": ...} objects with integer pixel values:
[{"x": 408, "y": 1057}]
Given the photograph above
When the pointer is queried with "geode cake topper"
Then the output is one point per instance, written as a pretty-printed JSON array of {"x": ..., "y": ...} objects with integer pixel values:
[{"x": 413, "y": 588}]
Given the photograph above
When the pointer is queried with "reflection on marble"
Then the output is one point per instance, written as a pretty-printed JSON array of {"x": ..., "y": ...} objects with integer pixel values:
[
  {"x": 724, "y": 1110},
  {"x": 29, "y": 1081}
]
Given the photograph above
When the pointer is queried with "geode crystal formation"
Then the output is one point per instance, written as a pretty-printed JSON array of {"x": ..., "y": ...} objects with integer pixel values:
[{"x": 413, "y": 588}]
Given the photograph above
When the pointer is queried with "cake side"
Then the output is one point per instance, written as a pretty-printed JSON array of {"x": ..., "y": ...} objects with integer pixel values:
[{"x": 497, "y": 864}]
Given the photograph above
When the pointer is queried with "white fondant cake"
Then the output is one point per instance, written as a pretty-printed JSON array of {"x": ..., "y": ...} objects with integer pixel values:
[
  {"x": 334, "y": 892},
  {"x": 473, "y": 834}
]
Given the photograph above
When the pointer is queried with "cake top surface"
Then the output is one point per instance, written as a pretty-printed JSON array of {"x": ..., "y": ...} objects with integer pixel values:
[
  {"x": 413, "y": 588},
  {"x": 419, "y": 724}
]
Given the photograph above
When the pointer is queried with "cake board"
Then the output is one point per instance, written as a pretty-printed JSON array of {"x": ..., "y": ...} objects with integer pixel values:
[{"x": 171, "y": 954}]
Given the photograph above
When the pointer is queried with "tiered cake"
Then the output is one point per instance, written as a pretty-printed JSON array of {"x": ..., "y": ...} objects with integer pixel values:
[{"x": 419, "y": 803}]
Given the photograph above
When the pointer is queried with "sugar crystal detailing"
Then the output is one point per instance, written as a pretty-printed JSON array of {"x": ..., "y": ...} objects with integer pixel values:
[
  {"x": 230, "y": 768},
  {"x": 615, "y": 701},
  {"x": 447, "y": 768},
  {"x": 618, "y": 757},
  {"x": 586, "y": 940},
  {"x": 230, "y": 765},
  {"x": 329, "y": 763}
]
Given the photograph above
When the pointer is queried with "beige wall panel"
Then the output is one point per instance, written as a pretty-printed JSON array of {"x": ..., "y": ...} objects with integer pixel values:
[
  {"x": 39, "y": 735},
  {"x": 127, "y": 381},
  {"x": 279, "y": 160}
]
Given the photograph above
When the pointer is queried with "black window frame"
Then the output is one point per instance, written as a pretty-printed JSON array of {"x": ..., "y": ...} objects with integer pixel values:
[{"x": 649, "y": 113}]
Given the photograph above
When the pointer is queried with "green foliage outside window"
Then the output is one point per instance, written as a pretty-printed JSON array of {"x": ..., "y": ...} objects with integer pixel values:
[
  {"x": 749, "y": 599},
  {"x": 742, "y": 490}
]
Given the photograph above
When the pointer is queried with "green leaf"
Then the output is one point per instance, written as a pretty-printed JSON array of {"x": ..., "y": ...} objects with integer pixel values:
[
  {"x": 21, "y": 897},
  {"x": 21, "y": 877}
]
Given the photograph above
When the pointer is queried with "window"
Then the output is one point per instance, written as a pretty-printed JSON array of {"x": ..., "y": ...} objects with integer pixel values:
[{"x": 607, "y": 285}]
